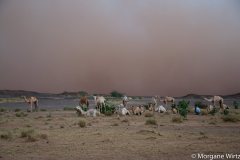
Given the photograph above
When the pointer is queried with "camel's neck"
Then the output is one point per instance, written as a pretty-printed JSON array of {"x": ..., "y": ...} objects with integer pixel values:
[
  {"x": 26, "y": 100},
  {"x": 209, "y": 100}
]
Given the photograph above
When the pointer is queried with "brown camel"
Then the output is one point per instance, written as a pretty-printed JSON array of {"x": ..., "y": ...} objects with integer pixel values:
[
  {"x": 216, "y": 100},
  {"x": 84, "y": 101},
  {"x": 31, "y": 101},
  {"x": 167, "y": 100}
]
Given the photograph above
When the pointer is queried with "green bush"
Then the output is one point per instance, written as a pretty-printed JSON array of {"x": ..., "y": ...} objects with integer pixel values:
[
  {"x": 183, "y": 108},
  {"x": 116, "y": 94},
  {"x": 43, "y": 110},
  {"x": 225, "y": 112},
  {"x": 108, "y": 109}
]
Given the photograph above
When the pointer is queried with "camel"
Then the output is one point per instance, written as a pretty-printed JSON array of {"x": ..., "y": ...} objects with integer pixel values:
[
  {"x": 84, "y": 101},
  {"x": 90, "y": 112},
  {"x": 125, "y": 100},
  {"x": 100, "y": 103},
  {"x": 167, "y": 100},
  {"x": 160, "y": 109},
  {"x": 137, "y": 110},
  {"x": 121, "y": 110},
  {"x": 31, "y": 101},
  {"x": 215, "y": 100},
  {"x": 155, "y": 106}
]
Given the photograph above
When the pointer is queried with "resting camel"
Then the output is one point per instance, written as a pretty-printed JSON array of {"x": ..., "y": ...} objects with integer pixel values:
[
  {"x": 215, "y": 100},
  {"x": 90, "y": 112},
  {"x": 157, "y": 108},
  {"x": 100, "y": 103},
  {"x": 84, "y": 101},
  {"x": 160, "y": 109},
  {"x": 137, "y": 110},
  {"x": 121, "y": 110},
  {"x": 31, "y": 101}
]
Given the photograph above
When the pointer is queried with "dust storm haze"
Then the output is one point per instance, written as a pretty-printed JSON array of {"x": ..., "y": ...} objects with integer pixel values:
[{"x": 137, "y": 47}]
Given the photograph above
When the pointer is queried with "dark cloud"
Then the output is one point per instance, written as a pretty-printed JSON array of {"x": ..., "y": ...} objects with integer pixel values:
[{"x": 138, "y": 47}]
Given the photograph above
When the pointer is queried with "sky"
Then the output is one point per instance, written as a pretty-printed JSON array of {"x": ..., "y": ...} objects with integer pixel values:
[{"x": 138, "y": 47}]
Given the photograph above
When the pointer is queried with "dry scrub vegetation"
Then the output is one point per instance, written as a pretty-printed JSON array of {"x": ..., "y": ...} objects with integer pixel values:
[{"x": 64, "y": 135}]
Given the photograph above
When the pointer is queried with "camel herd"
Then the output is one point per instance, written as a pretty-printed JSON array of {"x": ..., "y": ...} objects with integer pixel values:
[{"x": 122, "y": 109}]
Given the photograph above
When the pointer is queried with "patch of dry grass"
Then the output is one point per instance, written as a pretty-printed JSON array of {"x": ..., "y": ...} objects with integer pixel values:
[
  {"x": 82, "y": 123},
  {"x": 21, "y": 114},
  {"x": 177, "y": 119},
  {"x": 151, "y": 121},
  {"x": 6, "y": 136},
  {"x": 148, "y": 114},
  {"x": 230, "y": 118}
]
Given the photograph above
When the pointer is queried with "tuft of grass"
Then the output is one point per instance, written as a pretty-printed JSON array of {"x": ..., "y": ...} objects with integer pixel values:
[
  {"x": 108, "y": 113},
  {"x": 6, "y": 136},
  {"x": 204, "y": 112},
  {"x": 230, "y": 118},
  {"x": 49, "y": 115},
  {"x": 43, "y": 136},
  {"x": 213, "y": 123},
  {"x": 26, "y": 133},
  {"x": 82, "y": 123},
  {"x": 68, "y": 109},
  {"x": 28, "y": 125},
  {"x": 21, "y": 114},
  {"x": 115, "y": 124},
  {"x": 177, "y": 119},
  {"x": 125, "y": 120},
  {"x": 225, "y": 112},
  {"x": 2, "y": 110},
  {"x": 214, "y": 111},
  {"x": 43, "y": 110},
  {"x": 17, "y": 110},
  {"x": 151, "y": 121},
  {"x": 31, "y": 138},
  {"x": 148, "y": 114}
]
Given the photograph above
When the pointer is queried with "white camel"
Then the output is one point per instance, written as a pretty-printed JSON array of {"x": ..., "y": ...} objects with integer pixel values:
[
  {"x": 121, "y": 110},
  {"x": 157, "y": 108},
  {"x": 160, "y": 109},
  {"x": 90, "y": 112},
  {"x": 216, "y": 100},
  {"x": 99, "y": 102}
]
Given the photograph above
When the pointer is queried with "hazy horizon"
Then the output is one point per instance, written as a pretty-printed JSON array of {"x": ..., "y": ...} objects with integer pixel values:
[{"x": 155, "y": 47}]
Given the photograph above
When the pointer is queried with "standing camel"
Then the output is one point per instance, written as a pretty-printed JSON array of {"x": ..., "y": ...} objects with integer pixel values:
[
  {"x": 100, "y": 103},
  {"x": 84, "y": 101},
  {"x": 31, "y": 101},
  {"x": 167, "y": 100},
  {"x": 216, "y": 100}
]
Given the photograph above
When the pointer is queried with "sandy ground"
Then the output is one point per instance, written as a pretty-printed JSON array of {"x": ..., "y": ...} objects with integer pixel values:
[{"x": 115, "y": 138}]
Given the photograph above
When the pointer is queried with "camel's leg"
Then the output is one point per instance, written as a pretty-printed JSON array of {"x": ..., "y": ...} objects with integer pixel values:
[
  {"x": 31, "y": 106},
  {"x": 36, "y": 106}
]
